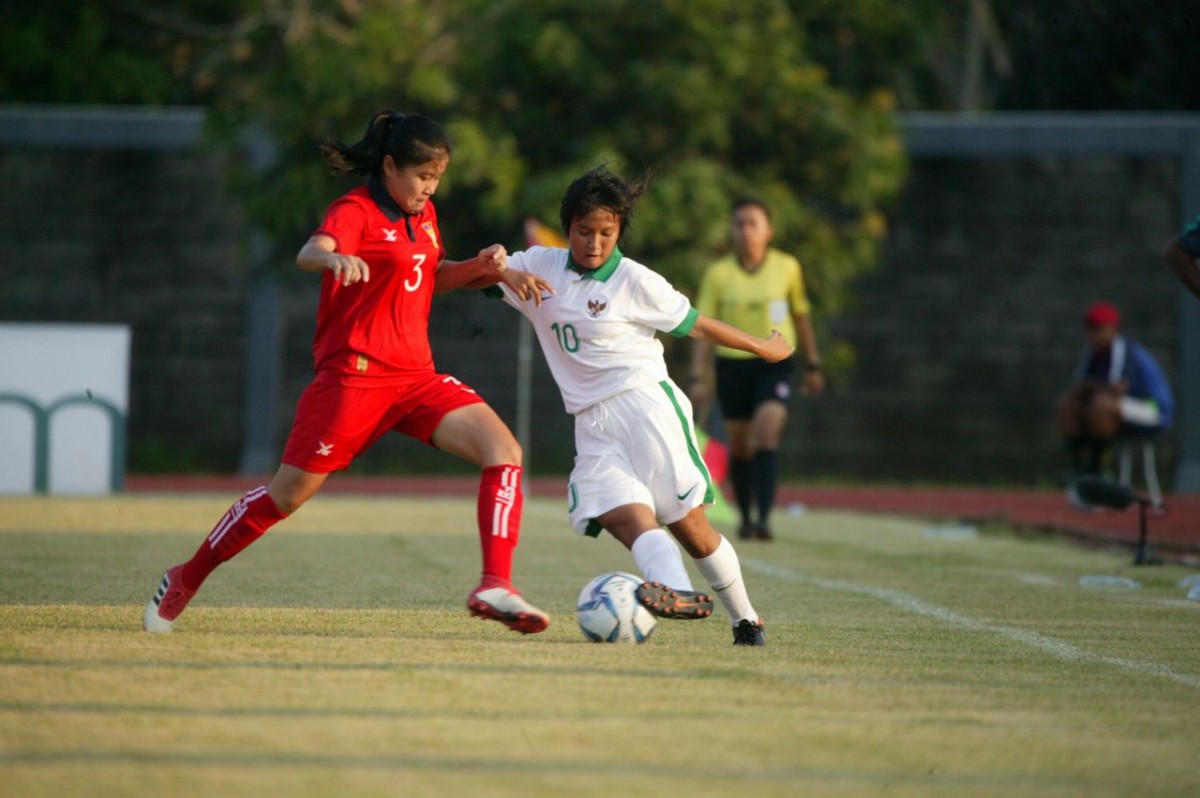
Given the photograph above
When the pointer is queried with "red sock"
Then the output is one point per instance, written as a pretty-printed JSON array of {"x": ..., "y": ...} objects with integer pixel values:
[
  {"x": 499, "y": 513},
  {"x": 245, "y": 522}
]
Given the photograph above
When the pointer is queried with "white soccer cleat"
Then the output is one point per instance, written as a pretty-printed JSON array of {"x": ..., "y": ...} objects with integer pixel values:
[
  {"x": 153, "y": 622},
  {"x": 170, "y": 600},
  {"x": 506, "y": 605}
]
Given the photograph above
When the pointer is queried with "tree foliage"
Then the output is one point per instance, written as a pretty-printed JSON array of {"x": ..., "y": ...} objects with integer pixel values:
[
  {"x": 1090, "y": 55},
  {"x": 714, "y": 100},
  {"x": 717, "y": 100},
  {"x": 83, "y": 51},
  {"x": 979, "y": 55},
  {"x": 788, "y": 100}
]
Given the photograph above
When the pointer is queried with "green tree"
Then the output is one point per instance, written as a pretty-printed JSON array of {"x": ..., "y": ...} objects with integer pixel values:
[
  {"x": 68, "y": 51},
  {"x": 982, "y": 55},
  {"x": 1088, "y": 55},
  {"x": 717, "y": 100}
]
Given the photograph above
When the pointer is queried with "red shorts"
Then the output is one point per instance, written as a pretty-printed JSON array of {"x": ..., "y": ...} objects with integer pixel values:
[{"x": 335, "y": 423}]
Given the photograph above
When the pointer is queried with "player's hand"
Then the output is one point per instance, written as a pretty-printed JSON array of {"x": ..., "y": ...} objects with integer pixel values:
[
  {"x": 493, "y": 260},
  {"x": 813, "y": 383},
  {"x": 776, "y": 348},
  {"x": 527, "y": 286},
  {"x": 349, "y": 269}
]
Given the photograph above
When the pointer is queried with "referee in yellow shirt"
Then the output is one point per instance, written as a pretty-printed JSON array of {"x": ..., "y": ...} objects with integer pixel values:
[{"x": 758, "y": 289}]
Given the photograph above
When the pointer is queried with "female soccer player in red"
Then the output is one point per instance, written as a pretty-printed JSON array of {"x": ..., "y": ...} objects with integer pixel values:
[{"x": 382, "y": 257}]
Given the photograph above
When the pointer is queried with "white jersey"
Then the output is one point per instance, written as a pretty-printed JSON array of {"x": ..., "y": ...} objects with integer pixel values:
[{"x": 597, "y": 330}]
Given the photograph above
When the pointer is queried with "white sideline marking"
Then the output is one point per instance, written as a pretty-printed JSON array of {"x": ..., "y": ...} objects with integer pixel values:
[{"x": 1046, "y": 644}]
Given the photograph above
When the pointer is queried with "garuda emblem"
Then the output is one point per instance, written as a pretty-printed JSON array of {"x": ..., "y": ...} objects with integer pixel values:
[{"x": 596, "y": 307}]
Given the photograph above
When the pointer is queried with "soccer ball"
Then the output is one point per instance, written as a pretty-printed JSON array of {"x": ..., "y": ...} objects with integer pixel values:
[{"x": 609, "y": 612}]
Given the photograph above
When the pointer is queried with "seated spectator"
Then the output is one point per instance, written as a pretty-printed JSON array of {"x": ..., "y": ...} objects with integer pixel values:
[{"x": 1119, "y": 388}]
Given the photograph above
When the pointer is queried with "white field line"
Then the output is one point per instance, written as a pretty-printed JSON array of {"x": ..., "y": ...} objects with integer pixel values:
[{"x": 1044, "y": 643}]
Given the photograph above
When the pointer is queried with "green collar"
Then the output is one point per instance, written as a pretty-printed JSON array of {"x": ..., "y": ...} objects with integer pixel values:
[{"x": 602, "y": 273}]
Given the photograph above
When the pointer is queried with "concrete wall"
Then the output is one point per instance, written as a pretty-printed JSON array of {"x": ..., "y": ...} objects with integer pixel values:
[
  {"x": 145, "y": 239},
  {"x": 971, "y": 326}
]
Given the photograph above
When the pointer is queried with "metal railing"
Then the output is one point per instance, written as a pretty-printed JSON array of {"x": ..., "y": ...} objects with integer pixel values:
[{"x": 42, "y": 417}]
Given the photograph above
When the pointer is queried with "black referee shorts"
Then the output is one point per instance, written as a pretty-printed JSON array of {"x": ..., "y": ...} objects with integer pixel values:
[{"x": 744, "y": 384}]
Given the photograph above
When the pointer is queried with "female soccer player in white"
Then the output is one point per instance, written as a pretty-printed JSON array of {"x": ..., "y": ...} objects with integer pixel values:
[{"x": 596, "y": 313}]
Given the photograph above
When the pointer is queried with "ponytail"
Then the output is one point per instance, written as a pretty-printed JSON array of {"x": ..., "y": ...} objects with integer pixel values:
[{"x": 408, "y": 138}]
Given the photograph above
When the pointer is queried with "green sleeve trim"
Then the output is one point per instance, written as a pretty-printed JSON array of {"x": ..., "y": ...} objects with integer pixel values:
[
  {"x": 685, "y": 326},
  {"x": 493, "y": 291}
]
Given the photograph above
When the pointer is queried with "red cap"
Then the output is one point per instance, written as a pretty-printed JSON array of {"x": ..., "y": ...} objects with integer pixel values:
[{"x": 1102, "y": 314}]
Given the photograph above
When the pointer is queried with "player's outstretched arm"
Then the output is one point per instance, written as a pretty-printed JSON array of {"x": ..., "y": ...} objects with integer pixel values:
[
  {"x": 1184, "y": 266},
  {"x": 318, "y": 254},
  {"x": 479, "y": 272},
  {"x": 773, "y": 348},
  {"x": 526, "y": 286}
]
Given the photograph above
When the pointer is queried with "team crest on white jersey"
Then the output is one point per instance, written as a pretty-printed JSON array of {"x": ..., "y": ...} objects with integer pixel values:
[
  {"x": 596, "y": 307},
  {"x": 389, "y": 235}
]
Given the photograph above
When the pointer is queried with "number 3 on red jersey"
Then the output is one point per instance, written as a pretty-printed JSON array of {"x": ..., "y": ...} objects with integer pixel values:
[{"x": 418, "y": 262}]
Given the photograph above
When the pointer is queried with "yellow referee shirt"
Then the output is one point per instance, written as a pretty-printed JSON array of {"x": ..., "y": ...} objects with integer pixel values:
[{"x": 758, "y": 302}]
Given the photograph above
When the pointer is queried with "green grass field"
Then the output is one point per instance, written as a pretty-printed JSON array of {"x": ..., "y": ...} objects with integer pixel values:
[{"x": 335, "y": 657}]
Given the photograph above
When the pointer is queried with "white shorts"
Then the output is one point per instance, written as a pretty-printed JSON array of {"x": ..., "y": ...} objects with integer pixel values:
[
  {"x": 1143, "y": 412},
  {"x": 638, "y": 447}
]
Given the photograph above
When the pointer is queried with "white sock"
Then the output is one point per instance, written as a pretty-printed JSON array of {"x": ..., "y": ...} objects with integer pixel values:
[
  {"x": 723, "y": 571},
  {"x": 658, "y": 558}
]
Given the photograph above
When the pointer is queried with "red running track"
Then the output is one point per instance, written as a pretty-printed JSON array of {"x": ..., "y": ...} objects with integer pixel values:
[{"x": 1177, "y": 530}]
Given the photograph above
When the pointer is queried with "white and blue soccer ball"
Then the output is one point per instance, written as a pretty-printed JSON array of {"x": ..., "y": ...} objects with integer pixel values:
[{"x": 609, "y": 612}]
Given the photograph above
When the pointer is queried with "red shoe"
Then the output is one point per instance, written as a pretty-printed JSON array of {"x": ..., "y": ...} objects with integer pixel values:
[
  {"x": 171, "y": 599},
  {"x": 501, "y": 602},
  {"x": 664, "y": 602}
]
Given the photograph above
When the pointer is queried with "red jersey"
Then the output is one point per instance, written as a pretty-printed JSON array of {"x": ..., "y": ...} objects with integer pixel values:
[{"x": 376, "y": 332}]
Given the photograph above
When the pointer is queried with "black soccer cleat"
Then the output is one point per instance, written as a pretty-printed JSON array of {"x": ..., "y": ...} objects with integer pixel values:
[
  {"x": 685, "y": 605},
  {"x": 749, "y": 633}
]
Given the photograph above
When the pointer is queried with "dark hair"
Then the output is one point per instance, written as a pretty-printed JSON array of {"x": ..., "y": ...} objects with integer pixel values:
[
  {"x": 408, "y": 138},
  {"x": 600, "y": 189},
  {"x": 751, "y": 202}
]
